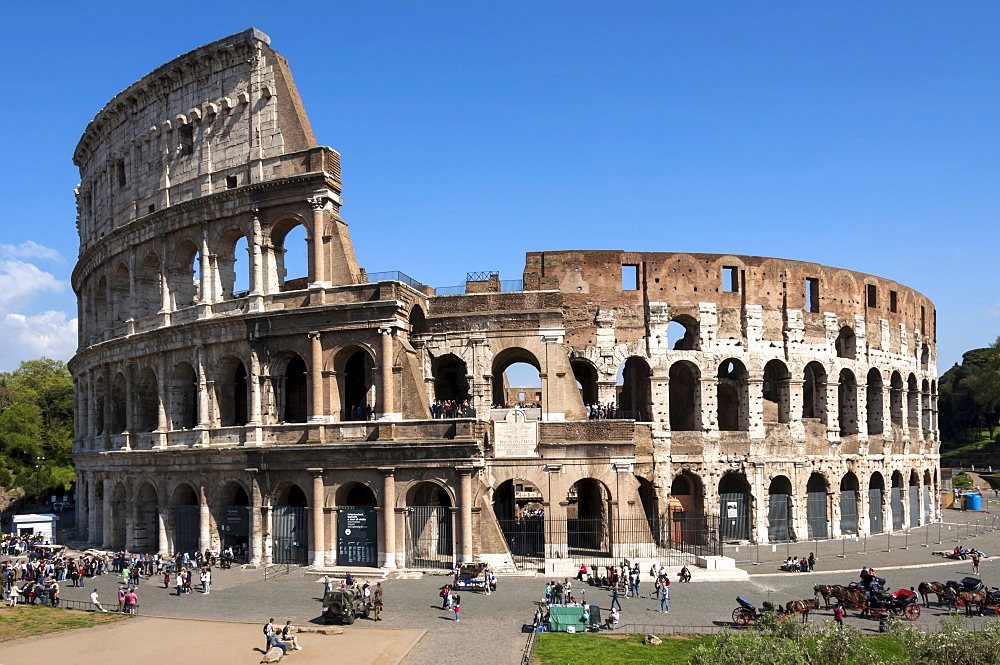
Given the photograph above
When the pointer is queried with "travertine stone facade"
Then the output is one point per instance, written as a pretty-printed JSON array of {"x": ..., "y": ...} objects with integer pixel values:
[{"x": 222, "y": 401}]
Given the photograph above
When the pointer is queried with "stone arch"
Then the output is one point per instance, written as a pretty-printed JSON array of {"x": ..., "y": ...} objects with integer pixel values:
[
  {"x": 501, "y": 362},
  {"x": 430, "y": 524},
  {"x": 234, "y": 261},
  {"x": 924, "y": 356},
  {"x": 586, "y": 375},
  {"x": 149, "y": 286},
  {"x": 927, "y": 489},
  {"x": 518, "y": 507},
  {"x": 354, "y": 366},
  {"x": 185, "y": 274},
  {"x": 847, "y": 402},
  {"x": 289, "y": 524},
  {"x": 896, "y": 399},
  {"x": 732, "y": 391},
  {"x": 418, "y": 320},
  {"x": 451, "y": 381},
  {"x": 925, "y": 407},
  {"x": 101, "y": 397},
  {"x": 846, "y": 344},
  {"x": 683, "y": 333},
  {"x": 777, "y": 392},
  {"x": 736, "y": 503},
  {"x": 648, "y": 501},
  {"x": 814, "y": 392},
  {"x": 849, "y": 498},
  {"x": 288, "y": 253},
  {"x": 183, "y": 397},
  {"x": 913, "y": 498},
  {"x": 121, "y": 294},
  {"x": 119, "y": 508},
  {"x": 147, "y": 400},
  {"x": 356, "y": 494},
  {"x": 184, "y": 504},
  {"x": 817, "y": 504},
  {"x": 686, "y": 510},
  {"x": 232, "y": 392},
  {"x": 146, "y": 529},
  {"x": 294, "y": 391},
  {"x": 779, "y": 509},
  {"x": 100, "y": 304},
  {"x": 635, "y": 396},
  {"x": 685, "y": 396},
  {"x": 896, "y": 500},
  {"x": 588, "y": 512},
  {"x": 876, "y": 501},
  {"x": 233, "y": 516},
  {"x": 873, "y": 402},
  {"x": 912, "y": 402}
]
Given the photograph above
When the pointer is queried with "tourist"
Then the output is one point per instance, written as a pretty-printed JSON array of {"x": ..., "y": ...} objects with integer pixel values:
[
  {"x": 614, "y": 598},
  {"x": 975, "y": 562},
  {"x": 288, "y": 635},
  {"x": 838, "y": 615},
  {"x": 685, "y": 574},
  {"x": 811, "y": 561},
  {"x": 665, "y": 597},
  {"x": 131, "y": 601},
  {"x": 95, "y": 600},
  {"x": 457, "y": 607},
  {"x": 272, "y": 638}
]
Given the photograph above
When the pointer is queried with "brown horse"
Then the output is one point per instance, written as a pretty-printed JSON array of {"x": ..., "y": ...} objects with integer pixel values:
[
  {"x": 802, "y": 607},
  {"x": 849, "y": 598},
  {"x": 828, "y": 592},
  {"x": 925, "y": 589},
  {"x": 980, "y": 598}
]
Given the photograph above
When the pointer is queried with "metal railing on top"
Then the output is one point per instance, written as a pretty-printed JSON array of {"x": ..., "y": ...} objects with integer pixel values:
[{"x": 393, "y": 276}]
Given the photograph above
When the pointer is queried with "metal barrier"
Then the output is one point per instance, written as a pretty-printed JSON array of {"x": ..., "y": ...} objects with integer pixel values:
[
  {"x": 529, "y": 649},
  {"x": 277, "y": 569},
  {"x": 78, "y": 605}
]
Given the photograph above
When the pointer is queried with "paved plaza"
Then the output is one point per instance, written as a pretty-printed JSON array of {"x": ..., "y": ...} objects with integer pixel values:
[{"x": 491, "y": 627}]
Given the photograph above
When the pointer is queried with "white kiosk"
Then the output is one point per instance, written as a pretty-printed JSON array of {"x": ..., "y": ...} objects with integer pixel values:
[{"x": 41, "y": 525}]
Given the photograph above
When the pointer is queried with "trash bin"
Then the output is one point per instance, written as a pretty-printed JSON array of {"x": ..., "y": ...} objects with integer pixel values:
[
  {"x": 883, "y": 623},
  {"x": 973, "y": 502}
]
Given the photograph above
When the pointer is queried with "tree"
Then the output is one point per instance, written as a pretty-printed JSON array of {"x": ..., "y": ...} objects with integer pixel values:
[{"x": 969, "y": 394}]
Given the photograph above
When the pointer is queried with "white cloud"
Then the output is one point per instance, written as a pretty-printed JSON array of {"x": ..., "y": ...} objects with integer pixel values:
[
  {"x": 48, "y": 334},
  {"x": 22, "y": 282},
  {"x": 30, "y": 250}
]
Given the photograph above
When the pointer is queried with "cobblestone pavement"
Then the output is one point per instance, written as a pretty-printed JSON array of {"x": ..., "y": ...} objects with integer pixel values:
[{"x": 490, "y": 629}]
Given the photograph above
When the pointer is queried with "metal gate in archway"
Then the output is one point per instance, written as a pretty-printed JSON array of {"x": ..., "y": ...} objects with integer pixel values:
[
  {"x": 777, "y": 517},
  {"x": 290, "y": 538},
  {"x": 735, "y": 520},
  {"x": 429, "y": 537},
  {"x": 896, "y": 499},
  {"x": 914, "y": 505},
  {"x": 875, "y": 510},
  {"x": 187, "y": 522},
  {"x": 927, "y": 504},
  {"x": 816, "y": 514},
  {"x": 848, "y": 511}
]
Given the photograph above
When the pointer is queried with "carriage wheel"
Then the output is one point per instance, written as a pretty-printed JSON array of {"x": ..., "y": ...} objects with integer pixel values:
[
  {"x": 742, "y": 616},
  {"x": 911, "y": 612},
  {"x": 959, "y": 602}
]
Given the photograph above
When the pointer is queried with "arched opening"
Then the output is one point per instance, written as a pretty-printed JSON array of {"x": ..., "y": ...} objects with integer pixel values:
[
  {"x": 913, "y": 499},
  {"x": 686, "y": 514},
  {"x": 232, "y": 392},
  {"x": 516, "y": 379},
  {"x": 896, "y": 399},
  {"x": 357, "y": 526},
  {"x": 234, "y": 263},
  {"x": 896, "y": 500},
  {"x": 185, "y": 275},
  {"x": 849, "y": 489},
  {"x": 354, "y": 376},
  {"x": 451, "y": 385},
  {"x": 517, "y": 504},
  {"x": 925, "y": 411},
  {"x": 289, "y": 525},
  {"x": 148, "y": 286},
  {"x": 873, "y": 403},
  {"x": 291, "y": 255},
  {"x": 118, "y": 410},
  {"x": 147, "y": 400},
  {"x": 925, "y": 355},
  {"x": 846, "y": 343},
  {"x": 814, "y": 392},
  {"x": 429, "y": 526},
  {"x": 101, "y": 306},
  {"x": 183, "y": 397},
  {"x": 734, "y": 501},
  {"x": 100, "y": 399},
  {"x": 296, "y": 401},
  {"x": 634, "y": 399},
  {"x": 586, "y": 380},
  {"x": 732, "y": 396},
  {"x": 682, "y": 333},
  {"x": 649, "y": 502},
  {"x": 234, "y": 521},
  {"x": 847, "y": 403},
  {"x": 587, "y": 523},
  {"x": 685, "y": 397},
  {"x": 876, "y": 488},
  {"x": 187, "y": 519},
  {"x": 816, "y": 506},
  {"x": 121, "y": 301},
  {"x": 912, "y": 403},
  {"x": 145, "y": 532},
  {"x": 119, "y": 506},
  {"x": 779, "y": 510},
  {"x": 777, "y": 392},
  {"x": 418, "y": 321}
]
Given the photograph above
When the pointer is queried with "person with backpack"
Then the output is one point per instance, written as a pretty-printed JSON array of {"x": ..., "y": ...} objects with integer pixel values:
[{"x": 272, "y": 638}]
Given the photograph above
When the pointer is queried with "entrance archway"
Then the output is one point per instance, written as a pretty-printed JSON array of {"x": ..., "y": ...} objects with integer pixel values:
[
  {"x": 586, "y": 380},
  {"x": 914, "y": 499},
  {"x": 685, "y": 402},
  {"x": 734, "y": 501},
  {"x": 876, "y": 488},
  {"x": 296, "y": 391},
  {"x": 357, "y": 526},
  {"x": 896, "y": 500},
  {"x": 289, "y": 526},
  {"x": 779, "y": 509},
  {"x": 146, "y": 530},
  {"x": 187, "y": 519},
  {"x": 354, "y": 376},
  {"x": 517, "y": 504},
  {"x": 429, "y": 526},
  {"x": 849, "y": 503},
  {"x": 732, "y": 396},
  {"x": 816, "y": 506},
  {"x": 234, "y": 520},
  {"x": 119, "y": 506},
  {"x": 634, "y": 400},
  {"x": 686, "y": 514},
  {"x": 588, "y": 511}
]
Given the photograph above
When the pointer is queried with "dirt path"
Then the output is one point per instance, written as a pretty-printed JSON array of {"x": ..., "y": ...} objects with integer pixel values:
[{"x": 169, "y": 641}]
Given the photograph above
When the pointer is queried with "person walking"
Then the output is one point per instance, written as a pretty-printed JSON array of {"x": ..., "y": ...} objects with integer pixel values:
[
  {"x": 614, "y": 598},
  {"x": 458, "y": 607},
  {"x": 838, "y": 615},
  {"x": 665, "y": 597},
  {"x": 975, "y": 562},
  {"x": 179, "y": 580}
]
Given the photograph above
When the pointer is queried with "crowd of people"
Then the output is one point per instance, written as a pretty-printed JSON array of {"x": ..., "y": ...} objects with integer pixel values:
[
  {"x": 449, "y": 408},
  {"x": 600, "y": 411},
  {"x": 803, "y": 565}
]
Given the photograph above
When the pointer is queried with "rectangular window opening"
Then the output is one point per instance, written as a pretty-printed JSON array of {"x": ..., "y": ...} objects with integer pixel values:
[
  {"x": 893, "y": 301},
  {"x": 152, "y": 209},
  {"x": 923, "y": 325},
  {"x": 872, "y": 295},
  {"x": 730, "y": 279},
  {"x": 120, "y": 168},
  {"x": 630, "y": 277},
  {"x": 812, "y": 294},
  {"x": 231, "y": 182},
  {"x": 186, "y": 140}
]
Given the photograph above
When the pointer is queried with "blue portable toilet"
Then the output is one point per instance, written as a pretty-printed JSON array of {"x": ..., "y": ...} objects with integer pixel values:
[{"x": 973, "y": 502}]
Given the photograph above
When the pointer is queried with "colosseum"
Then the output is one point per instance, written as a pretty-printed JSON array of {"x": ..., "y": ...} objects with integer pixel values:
[{"x": 348, "y": 418}]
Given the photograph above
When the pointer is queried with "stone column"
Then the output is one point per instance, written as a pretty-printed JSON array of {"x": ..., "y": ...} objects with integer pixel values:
[
  {"x": 387, "y": 534},
  {"x": 255, "y": 396},
  {"x": 162, "y": 545},
  {"x": 257, "y": 282},
  {"x": 317, "y": 539},
  {"x": 91, "y": 406},
  {"x": 465, "y": 503},
  {"x": 204, "y": 519},
  {"x": 386, "y": 384},
  {"x": 203, "y": 415},
  {"x": 92, "y": 537},
  {"x": 162, "y": 394},
  {"x": 316, "y": 255},
  {"x": 755, "y": 405},
  {"x": 130, "y": 520},
  {"x": 205, "y": 291},
  {"x": 317, "y": 401},
  {"x": 106, "y": 536},
  {"x": 256, "y": 526},
  {"x": 107, "y": 407},
  {"x": 130, "y": 397}
]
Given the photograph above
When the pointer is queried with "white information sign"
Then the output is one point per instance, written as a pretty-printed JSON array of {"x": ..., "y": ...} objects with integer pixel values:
[{"x": 515, "y": 436}]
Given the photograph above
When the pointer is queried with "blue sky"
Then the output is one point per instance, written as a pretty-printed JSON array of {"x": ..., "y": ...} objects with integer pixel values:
[{"x": 858, "y": 135}]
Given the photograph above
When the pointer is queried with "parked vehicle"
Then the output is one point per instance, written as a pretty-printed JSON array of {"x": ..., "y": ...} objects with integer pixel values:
[{"x": 344, "y": 606}]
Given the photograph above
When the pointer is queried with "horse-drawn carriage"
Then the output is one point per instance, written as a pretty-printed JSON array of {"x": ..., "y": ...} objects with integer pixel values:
[
  {"x": 877, "y": 603},
  {"x": 747, "y": 615}
]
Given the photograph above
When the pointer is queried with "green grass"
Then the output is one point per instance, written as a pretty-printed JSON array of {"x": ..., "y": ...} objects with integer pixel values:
[
  {"x": 982, "y": 444},
  {"x": 588, "y": 649},
  {"x": 26, "y": 621},
  {"x": 888, "y": 647}
]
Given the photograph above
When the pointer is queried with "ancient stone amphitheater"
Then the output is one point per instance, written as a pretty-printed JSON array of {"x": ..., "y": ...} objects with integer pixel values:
[{"x": 222, "y": 401}]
